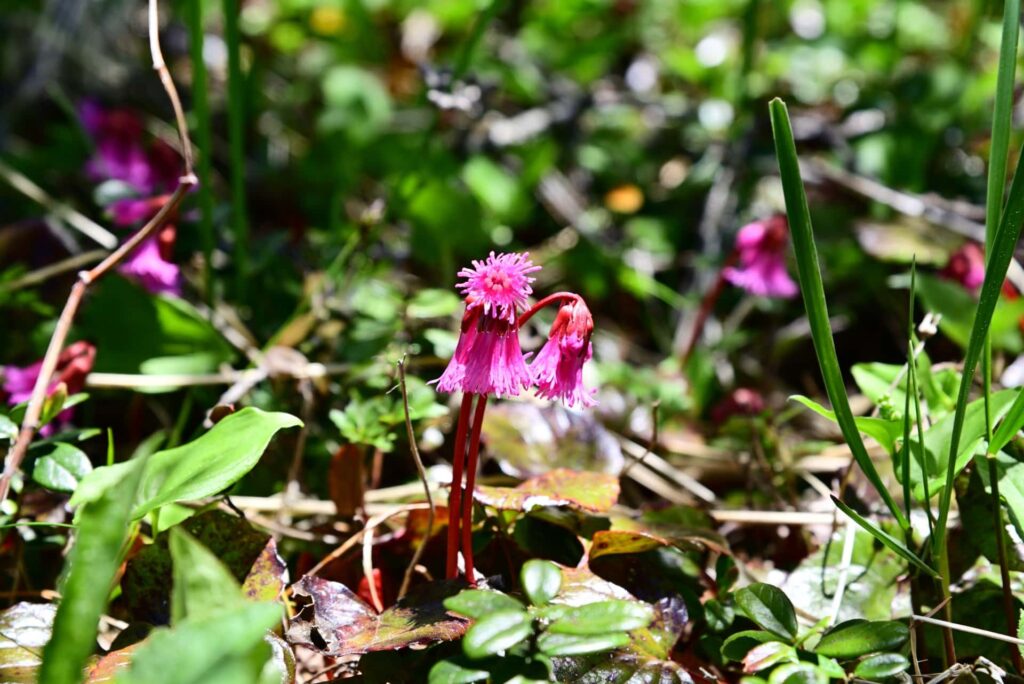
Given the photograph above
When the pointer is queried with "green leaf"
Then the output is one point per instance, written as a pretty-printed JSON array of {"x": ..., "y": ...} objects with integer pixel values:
[
  {"x": 497, "y": 632},
  {"x": 881, "y": 666},
  {"x": 797, "y": 673},
  {"x": 227, "y": 647},
  {"x": 580, "y": 644},
  {"x": 956, "y": 307},
  {"x": 999, "y": 149},
  {"x": 477, "y": 603},
  {"x": 104, "y": 527},
  {"x": 578, "y": 490},
  {"x": 451, "y": 672},
  {"x": 769, "y": 609},
  {"x": 885, "y": 432},
  {"x": 739, "y": 644},
  {"x": 1006, "y": 237},
  {"x": 202, "y": 584},
  {"x": 201, "y": 468},
  {"x": 541, "y": 581},
  {"x": 814, "y": 300},
  {"x": 62, "y": 469},
  {"x": 1010, "y": 426},
  {"x": 767, "y": 655},
  {"x": 855, "y": 638},
  {"x": 881, "y": 535},
  {"x": 612, "y": 615}
]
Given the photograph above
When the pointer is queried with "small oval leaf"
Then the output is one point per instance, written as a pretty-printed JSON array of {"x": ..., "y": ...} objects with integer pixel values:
[
  {"x": 450, "y": 672},
  {"x": 768, "y": 655},
  {"x": 739, "y": 644},
  {"x": 476, "y": 603},
  {"x": 797, "y": 673},
  {"x": 855, "y": 638},
  {"x": 497, "y": 632},
  {"x": 580, "y": 644},
  {"x": 605, "y": 616},
  {"x": 62, "y": 469},
  {"x": 769, "y": 608},
  {"x": 881, "y": 666},
  {"x": 541, "y": 581}
]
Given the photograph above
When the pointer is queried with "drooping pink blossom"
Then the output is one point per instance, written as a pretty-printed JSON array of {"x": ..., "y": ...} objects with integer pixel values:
[
  {"x": 966, "y": 266},
  {"x": 761, "y": 249},
  {"x": 147, "y": 266},
  {"x": 73, "y": 365},
  {"x": 499, "y": 284},
  {"x": 557, "y": 369},
  {"x": 742, "y": 401},
  {"x": 488, "y": 359}
]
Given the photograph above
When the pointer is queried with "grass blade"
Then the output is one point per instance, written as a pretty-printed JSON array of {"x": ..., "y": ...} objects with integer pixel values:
[
  {"x": 236, "y": 141},
  {"x": 104, "y": 527},
  {"x": 1000, "y": 144},
  {"x": 995, "y": 273},
  {"x": 894, "y": 544},
  {"x": 813, "y": 293}
]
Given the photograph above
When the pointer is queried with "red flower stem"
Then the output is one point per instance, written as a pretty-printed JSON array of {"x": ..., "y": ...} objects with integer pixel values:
[
  {"x": 706, "y": 305},
  {"x": 451, "y": 568},
  {"x": 550, "y": 299},
  {"x": 467, "y": 497}
]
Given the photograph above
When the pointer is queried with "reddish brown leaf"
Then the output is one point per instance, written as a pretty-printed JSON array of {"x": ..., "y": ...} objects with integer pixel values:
[
  {"x": 268, "y": 575},
  {"x": 349, "y": 626}
]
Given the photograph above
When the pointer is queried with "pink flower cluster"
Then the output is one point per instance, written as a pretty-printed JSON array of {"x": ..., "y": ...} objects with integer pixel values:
[
  {"x": 150, "y": 171},
  {"x": 966, "y": 266},
  {"x": 761, "y": 250},
  {"x": 488, "y": 359}
]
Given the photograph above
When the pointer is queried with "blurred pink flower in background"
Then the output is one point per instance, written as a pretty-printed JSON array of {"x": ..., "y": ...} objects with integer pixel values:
[
  {"x": 73, "y": 365},
  {"x": 966, "y": 266},
  {"x": 742, "y": 401},
  {"x": 124, "y": 154},
  {"x": 147, "y": 266},
  {"x": 761, "y": 250}
]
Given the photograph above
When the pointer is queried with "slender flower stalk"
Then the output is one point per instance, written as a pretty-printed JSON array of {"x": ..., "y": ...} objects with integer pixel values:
[{"x": 488, "y": 361}]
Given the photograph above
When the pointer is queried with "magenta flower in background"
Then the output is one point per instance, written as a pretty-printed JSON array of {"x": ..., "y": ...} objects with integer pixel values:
[
  {"x": 122, "y": 152},
  {"x": 148, "y": 267},
  {"x": 966, "y": 266},
  {"x": 73, "y": 365},
  {"x": 761, "y": 249},
  {"x": 557, "y": 369}
]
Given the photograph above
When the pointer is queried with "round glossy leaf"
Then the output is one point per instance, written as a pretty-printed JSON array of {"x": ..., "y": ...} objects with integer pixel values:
[
  {"x": 475, "y": 603},
  {"x": 497, "y": 632},
  {"x": 604, "y": 616},
  {"x": 739, "y": 644},
  {"x": 541, "y": 581},
  {"x": 881, "y": 666},
  {"x": 449, "y": 672},
  {"x": 854, "y": 638},
  {"x": 797, "y": 673},
  {"x": 769, "y": 608},
  {"x": 62, "y": 469},
  {"x": 580, "y": 644}
]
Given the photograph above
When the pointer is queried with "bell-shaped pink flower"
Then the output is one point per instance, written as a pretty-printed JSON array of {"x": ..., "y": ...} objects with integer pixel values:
[
  {"x": 488, "y": 359},
  {"x": 761, "y": 248},
  {"x": 557, "y": 369}
]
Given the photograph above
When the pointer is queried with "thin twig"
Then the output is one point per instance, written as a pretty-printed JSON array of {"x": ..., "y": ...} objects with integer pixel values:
[
  {"x": 35, "y": 405},
  {"x": 43, "y": 274},
  {"x": 80, "y": 222},
  {"x": 650, "y": 443},
  {"x": 422, "y": 471},
  {"x": 967, "y": 629}
]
